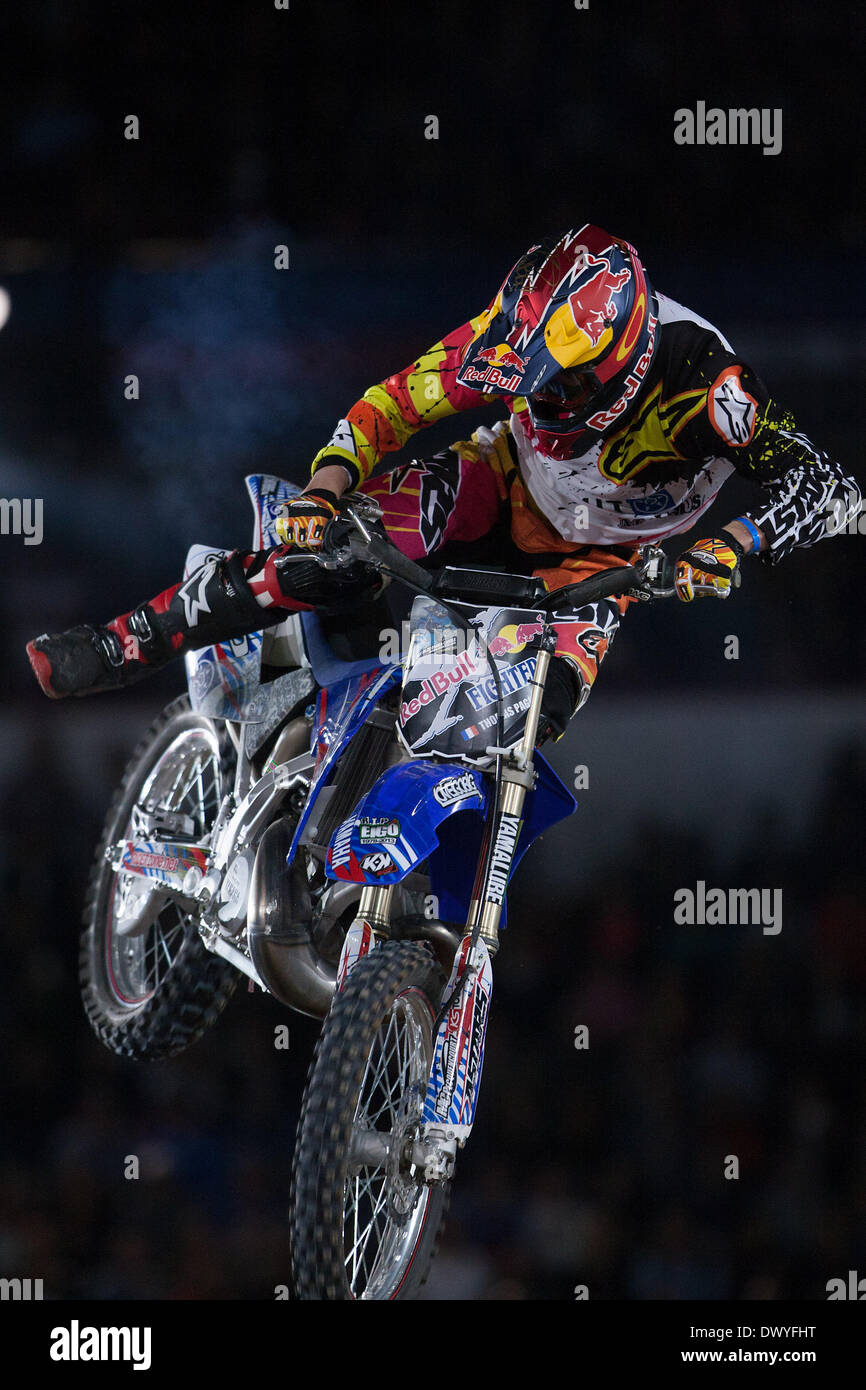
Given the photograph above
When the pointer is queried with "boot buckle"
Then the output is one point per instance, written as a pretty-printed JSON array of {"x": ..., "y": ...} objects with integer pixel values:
[{"x": 108, "y": 645}]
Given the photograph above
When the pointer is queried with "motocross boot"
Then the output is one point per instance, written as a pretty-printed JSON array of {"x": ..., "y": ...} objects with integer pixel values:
[
  {"x": 225, "y": 598},
  {"x": 214, "y": 604}
]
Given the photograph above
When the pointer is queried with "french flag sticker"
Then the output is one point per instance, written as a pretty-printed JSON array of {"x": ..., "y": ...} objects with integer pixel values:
[{"x": 470, "y": 732}]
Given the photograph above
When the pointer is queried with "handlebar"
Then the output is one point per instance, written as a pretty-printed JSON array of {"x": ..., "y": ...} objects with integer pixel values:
[
  {"x": 388, "y": 558},
  {"x": 606, "y": 584},
  {"x": 353, "y": 536}
]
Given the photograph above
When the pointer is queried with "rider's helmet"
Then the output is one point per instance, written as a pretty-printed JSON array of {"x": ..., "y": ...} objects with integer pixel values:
[{"x": 573, "y": 329}]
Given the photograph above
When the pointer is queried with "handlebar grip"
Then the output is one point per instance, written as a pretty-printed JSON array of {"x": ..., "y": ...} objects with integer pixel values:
[
  {"x": 668, "y": 573},
  {"x": 608, "y": 584}
]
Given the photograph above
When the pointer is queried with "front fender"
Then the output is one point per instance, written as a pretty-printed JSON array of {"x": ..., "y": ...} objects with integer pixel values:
[{"x": 394, "y": 827}]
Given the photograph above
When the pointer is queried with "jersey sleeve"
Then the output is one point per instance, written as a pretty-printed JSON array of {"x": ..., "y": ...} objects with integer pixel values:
[
  {"x": 387, "y": 415},
  {"x": 805, "y": 494}
]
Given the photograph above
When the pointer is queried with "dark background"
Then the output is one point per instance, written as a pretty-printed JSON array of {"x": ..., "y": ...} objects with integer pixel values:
[{"x": 305, "y": 127}]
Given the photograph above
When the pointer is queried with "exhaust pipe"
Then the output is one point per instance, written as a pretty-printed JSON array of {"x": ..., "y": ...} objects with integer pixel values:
[
  {"x": 278, "y": 928},
  {"x": 279, "y": 922}
]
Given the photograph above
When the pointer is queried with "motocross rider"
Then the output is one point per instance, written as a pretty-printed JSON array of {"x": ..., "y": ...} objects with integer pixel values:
[{"x": 626, "y": 415}]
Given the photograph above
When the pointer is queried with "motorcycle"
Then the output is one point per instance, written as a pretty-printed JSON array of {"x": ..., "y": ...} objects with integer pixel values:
[{"x": 341, "y": 826}]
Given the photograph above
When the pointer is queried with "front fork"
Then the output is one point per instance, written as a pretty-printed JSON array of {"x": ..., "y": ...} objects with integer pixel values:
[
  {"x": 370, "y": 922},
  {"x": 518, "y": 778},
  {"x": 458, "y": 1052},
  {"x": 449, "y": 1105}
]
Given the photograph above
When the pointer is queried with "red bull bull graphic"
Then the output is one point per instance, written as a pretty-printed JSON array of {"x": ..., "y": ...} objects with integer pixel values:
[
  {"x": 592, "y": 302},
  {"x": 514, "y": 637},
  {"x": 503, "y": 370},
  {"x": 502, "y": 356}
]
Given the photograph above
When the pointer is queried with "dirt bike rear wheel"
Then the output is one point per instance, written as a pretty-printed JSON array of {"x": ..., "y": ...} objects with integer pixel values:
[
  {"x": 152, "y": 993},
  {"x": 364, "y": 1225}
]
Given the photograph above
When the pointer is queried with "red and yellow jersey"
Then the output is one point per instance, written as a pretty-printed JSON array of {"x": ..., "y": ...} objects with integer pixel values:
[
  {"x": 699, "y": 415},
  {"x": 387, "y": 415}
]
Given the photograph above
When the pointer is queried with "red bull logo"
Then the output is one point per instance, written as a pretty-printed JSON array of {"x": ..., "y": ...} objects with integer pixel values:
[
  {"x": 592, "y": 302},
  {"x": 502, "y": 356},
  {"x": 603, "y": 418},
  {"x": 514, "y": 637},
  {"x": 501, "y": 369},
  {"x": 432, "y": 687}
]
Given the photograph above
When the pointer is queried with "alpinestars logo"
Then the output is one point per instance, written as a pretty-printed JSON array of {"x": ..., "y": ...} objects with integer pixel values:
[
  {"x": 344, "y": 438},
  {"x": 732, "y": 410},
  {"x": 193, "y": 592}
]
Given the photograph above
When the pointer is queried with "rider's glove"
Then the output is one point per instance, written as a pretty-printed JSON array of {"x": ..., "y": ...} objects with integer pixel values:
[
  {"x": 303, "y": 520},
  {"x": 709, "y": 568}
]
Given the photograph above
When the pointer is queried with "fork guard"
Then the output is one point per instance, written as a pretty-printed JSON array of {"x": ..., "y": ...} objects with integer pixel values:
[
  {"x": 416, "y": 796},
  {"x": 406, "y": 793}
]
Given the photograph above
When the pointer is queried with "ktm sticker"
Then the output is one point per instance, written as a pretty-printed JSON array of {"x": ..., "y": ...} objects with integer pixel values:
[
  {"x": 732, "y": 410},
  {"x": 378, "y": 863}
]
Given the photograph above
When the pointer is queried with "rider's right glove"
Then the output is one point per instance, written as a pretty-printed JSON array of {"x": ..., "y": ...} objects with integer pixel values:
[
  {"x": 303, "y": 520},
  {"x": 709, "y": 567}
]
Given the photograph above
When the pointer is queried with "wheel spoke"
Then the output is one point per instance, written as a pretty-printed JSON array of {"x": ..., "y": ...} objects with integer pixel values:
[
  {"x": 376, "y": 1240},
  {"x": 189, "y": 768}
]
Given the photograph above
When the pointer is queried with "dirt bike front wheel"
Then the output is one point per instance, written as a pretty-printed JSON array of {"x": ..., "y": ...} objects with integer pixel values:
[{"x": 364, "y": 1224}]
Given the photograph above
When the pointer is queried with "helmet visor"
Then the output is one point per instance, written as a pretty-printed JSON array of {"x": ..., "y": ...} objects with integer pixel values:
[{"x": 566, "y": 396}]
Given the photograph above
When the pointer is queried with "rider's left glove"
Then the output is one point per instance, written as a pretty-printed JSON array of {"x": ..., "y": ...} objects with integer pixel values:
[
  {"x": 303, "y": 521},
  {"x": 709, "y": 569}
]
